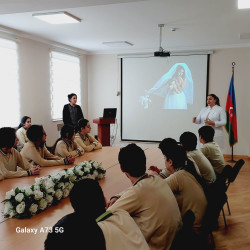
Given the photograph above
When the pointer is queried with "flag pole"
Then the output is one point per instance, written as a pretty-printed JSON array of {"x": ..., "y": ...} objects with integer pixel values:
[{"x": 232, "y": 154}]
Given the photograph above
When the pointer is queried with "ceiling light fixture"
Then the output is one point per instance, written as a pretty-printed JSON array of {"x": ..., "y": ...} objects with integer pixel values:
[
  {"x": 118, "y": 44},
  {"x": 243, "y": 4},
  {"x": 61, "y": 17}
]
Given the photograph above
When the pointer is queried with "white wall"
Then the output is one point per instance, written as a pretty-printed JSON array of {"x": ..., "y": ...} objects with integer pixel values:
[
  {"x": 104, "y": 82},
  {"x": 34, "y": 68}
]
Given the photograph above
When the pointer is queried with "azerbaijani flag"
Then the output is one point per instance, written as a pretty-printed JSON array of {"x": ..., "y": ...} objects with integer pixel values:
[{"x": 231, "y": 125}]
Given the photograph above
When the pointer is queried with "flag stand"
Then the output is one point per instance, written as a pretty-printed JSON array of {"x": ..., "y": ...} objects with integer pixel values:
[{"x": 231, "y": 139}]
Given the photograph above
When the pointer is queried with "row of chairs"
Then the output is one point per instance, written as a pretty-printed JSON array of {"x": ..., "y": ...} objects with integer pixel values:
[{"x": 217, "y": 198}]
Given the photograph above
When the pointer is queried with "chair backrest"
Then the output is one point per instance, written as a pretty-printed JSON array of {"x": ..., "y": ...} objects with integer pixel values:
[{"x": 236, "y": 169}]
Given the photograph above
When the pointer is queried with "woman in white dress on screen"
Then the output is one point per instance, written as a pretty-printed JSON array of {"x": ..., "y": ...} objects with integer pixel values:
[
  {"x": 176, "y": 86},
  {"x": 213, "y": 115}
]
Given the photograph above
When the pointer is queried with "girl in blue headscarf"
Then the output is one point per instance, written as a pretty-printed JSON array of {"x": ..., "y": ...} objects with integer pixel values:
[{"x": 177, "y": 87}]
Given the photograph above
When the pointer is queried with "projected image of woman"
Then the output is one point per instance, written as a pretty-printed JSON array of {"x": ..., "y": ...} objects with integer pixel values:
[{"x": 176, "y": 86}]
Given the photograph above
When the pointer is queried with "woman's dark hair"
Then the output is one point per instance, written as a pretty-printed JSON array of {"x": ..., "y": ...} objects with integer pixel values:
[
  {"x": 35, "y": 133},
  {"x": 7, "y": 137},
  {"x": 67, "y": 132},
  {"x": 180, "y": 161},
  {"x": 132, "y": 160},
  {"x": 23, "y": 120},
  {"x": 71, "y": 95},
  {"x": 217, "y": 100},
  {"x": 82, "y": 123},
  {"x": 88, "y": 190}
]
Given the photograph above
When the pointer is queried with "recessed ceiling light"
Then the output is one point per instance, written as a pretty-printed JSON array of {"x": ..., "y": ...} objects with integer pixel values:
[
  {"x": 243, "y": 4},
  {"x": 61, "y": 17},
  {"x": 118, "y": 44}
]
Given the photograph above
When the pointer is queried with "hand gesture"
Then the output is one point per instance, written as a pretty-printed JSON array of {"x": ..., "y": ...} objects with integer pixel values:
[
  {"x": 111, "y": 202},
  {"x": 35, "y": 170}
]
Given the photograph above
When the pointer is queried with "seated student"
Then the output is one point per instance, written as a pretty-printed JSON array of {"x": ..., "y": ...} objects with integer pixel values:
[
  {"x": 91, "y": 227},
  {"x": 149, "y": 201},
  {"x": 211, "y": 149},
  {"x": 35, "y": 151},
  {"x": 83, "y": 138},
  {"x": 22, "y": 130},
  {"x": 187, "y": 186},
  {"x": 188, "y": 141},
  {"x": 11, "y": 162},
  {"x": 66, "y": 145}
]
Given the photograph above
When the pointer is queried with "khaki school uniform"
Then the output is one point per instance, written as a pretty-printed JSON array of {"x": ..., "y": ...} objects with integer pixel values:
[
  {"x": 121, "y": 232},
  {"x": 213, "y": 152},
  {"x": 12, "y": 165},
  {"x": 152, "y": 205},
  {"x": 87, "y": 142},
  {"x": 189, "y": 195},
  {"x": 204, "y": 165},
  {"x": 63, "y": 149},
  {"x": 40, "y": 156}
]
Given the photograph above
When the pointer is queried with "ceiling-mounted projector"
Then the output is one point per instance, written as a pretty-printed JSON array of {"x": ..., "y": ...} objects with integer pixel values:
[{"x": 161, "y": 51}]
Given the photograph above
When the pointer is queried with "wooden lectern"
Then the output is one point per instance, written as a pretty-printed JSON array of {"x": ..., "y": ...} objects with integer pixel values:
[{"x": 104, "y": 129}]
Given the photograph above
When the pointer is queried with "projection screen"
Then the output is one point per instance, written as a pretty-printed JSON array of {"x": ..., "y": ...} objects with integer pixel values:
[{"x": 161, "y": 95}]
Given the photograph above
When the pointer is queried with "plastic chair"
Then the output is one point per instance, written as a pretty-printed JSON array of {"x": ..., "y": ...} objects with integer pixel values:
[{"x": 235, "y": 171}]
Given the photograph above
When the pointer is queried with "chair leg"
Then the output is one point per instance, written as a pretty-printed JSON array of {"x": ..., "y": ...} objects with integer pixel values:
[
  {"x": 228, "y": 208},
  {"x": 224, "y": 217},
  {"x": 212, "y": 240}
]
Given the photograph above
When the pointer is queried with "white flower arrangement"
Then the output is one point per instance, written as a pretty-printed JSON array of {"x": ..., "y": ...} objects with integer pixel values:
[{"x": 48, "y": 190}]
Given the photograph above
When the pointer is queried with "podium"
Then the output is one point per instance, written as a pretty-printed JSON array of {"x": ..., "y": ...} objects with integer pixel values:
[{"x": 104, "y": 129}]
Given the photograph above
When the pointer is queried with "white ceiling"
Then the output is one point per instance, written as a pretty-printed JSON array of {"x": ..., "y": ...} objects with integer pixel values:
[{"x": 200, "y": 24}]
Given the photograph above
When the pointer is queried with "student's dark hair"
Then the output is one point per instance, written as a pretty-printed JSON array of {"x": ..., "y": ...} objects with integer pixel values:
[
  {"x": 35, "y": 132},
  {"x": 67, "y": 131},
  {"x": 23, "y": 120},
  {"x": 207, "y": 133},
  {"x": 87, "y": 198},
  {"x": 132, "y": 160},
  {"x": 188, "y": 141},
  {"x": 216, "y": 98},
  {"x": 167, "y": 143},
  {"x": 7, "y": 137},
  {"x": 82, "y": 123},
  {"x": 71, "y": 95}
]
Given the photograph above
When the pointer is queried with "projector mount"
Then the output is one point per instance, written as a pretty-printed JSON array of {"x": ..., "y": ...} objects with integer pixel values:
[{"x": 161, "y": 51}]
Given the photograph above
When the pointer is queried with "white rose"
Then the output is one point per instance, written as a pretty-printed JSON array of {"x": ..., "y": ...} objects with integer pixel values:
[
  {"x": 65, "y": 193},
  {"x": 61, "y": 185},
  {"x": 88, "y": 165},
  {"x": 39, "y": 180},
  {"x": 19, "y": 197},
  {"x": 50, "y": 191},
  {"x": 49, "y": 184},
  {"x": 86, "y": 169},
  {"x": 96, "y": 164},
  {"x": 7, "y": 208},
  {"x": 91, "y": 177},
  {"x": 72, "y": 178},
  {"x": 58, "y": 194},
  {"x": 20, "y": 207},
  {"x": 33, "y": 208},
  {"x": 100, "y": 176},
  {"x": 43, "y": 204},
  {"x": 71, "y": 185},
  {"x": 38, "y": 195},
  {"x": 95, "y": 173},
  {"x": 49, "y": 199},
  {"x": 27, "y": 191},
  {"x": 70, "y": 171},
  {"x": 12, "y": 213},
  {"x": 36, "y": 186},
  {"x": 9, "y": 194}
]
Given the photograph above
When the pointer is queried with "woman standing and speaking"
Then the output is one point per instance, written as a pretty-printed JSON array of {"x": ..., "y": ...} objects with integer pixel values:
[
  {"x": 72, "y": 112},
  {"x": 213, "y": 115}
]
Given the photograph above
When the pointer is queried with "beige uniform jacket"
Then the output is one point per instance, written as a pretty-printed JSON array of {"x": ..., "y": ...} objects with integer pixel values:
[
  {"x": 189, "y": 195},
  {"x": 64, "y": 149},
  {"x": 40, "y": 156},
  {"x": 21, "y": 135},
  {"x": 121, "y": 232},
  {"x": 87, "y": 142},
  {"x": 12, "y": 165},
  {"x": 152, "y": 205},
  {"x": 213, "y": 152},
  {"x": 204, "y": 165}
]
